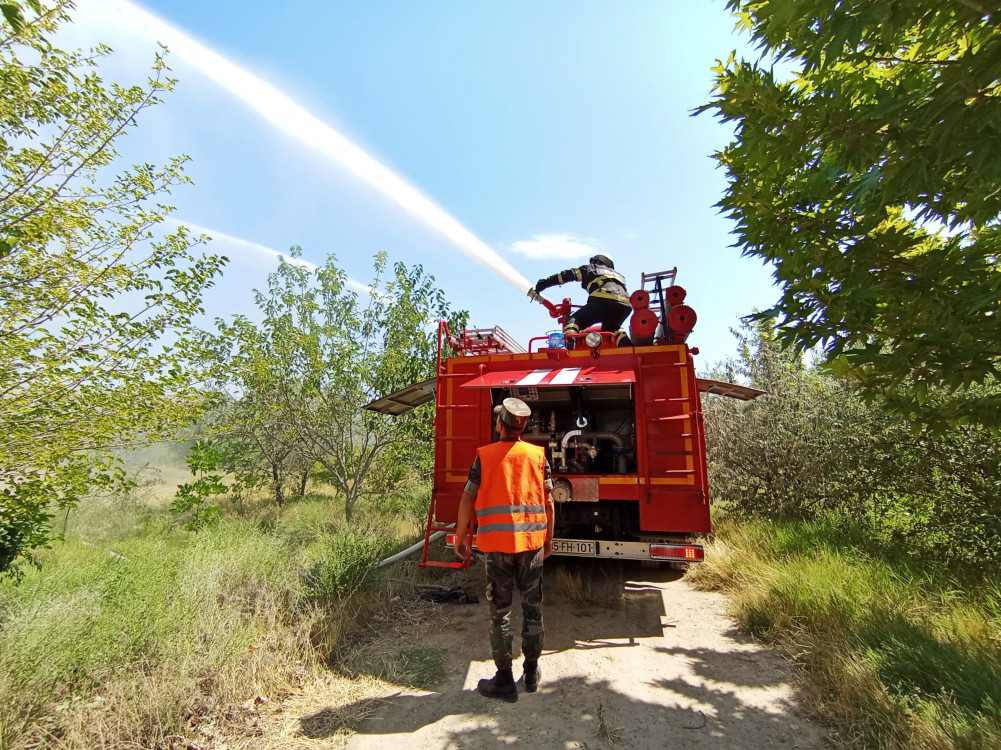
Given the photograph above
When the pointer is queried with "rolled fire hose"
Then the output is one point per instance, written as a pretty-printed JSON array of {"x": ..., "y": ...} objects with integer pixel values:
[
  {"x": 676, "y": 295},
  {"x": 640, "y": 299},
  {"x": 681, "y": 319}
]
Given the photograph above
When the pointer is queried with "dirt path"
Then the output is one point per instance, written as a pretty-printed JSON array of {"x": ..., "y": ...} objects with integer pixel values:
[{"x": 640, "y": 661}]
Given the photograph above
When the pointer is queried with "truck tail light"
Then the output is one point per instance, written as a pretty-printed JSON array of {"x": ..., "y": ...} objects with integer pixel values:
[{"x": 682, "y": 552}]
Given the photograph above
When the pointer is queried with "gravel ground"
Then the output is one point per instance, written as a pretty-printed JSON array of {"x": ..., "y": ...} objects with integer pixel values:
[{"x": 641, "y": 661}]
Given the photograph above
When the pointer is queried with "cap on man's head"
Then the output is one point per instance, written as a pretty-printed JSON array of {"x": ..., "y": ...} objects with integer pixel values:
[{"x": 513, "y": 412}]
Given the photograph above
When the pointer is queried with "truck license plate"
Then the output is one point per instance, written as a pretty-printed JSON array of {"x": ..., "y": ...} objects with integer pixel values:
[{"x": 574, "y": 547}]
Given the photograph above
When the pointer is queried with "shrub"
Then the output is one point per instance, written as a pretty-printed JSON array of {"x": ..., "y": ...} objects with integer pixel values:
[
  {"x": 812, "y": 448},
  {"x": 345, "y": 562}
]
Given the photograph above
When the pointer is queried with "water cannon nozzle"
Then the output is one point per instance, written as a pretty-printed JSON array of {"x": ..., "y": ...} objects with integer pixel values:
[{"x": 553, "y": 310}]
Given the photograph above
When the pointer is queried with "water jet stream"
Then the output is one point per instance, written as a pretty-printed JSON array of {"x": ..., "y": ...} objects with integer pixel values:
[{"x": 296, "y": 121}]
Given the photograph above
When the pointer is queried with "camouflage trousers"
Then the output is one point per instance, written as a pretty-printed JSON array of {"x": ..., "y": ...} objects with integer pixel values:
[{"x": 505, "y": 571}]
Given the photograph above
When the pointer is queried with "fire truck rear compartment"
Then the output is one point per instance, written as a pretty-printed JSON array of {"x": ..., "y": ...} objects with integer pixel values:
[{"x": 585, "y": 430}]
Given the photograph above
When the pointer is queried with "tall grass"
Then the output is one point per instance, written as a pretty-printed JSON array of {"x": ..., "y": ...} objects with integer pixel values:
[
  {"x": 130, "y": 649},
  {"x": 897, "y": 652}
]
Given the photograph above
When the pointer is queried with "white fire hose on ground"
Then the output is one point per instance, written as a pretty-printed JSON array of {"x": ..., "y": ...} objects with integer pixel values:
[{"x": 408, "y": 551}]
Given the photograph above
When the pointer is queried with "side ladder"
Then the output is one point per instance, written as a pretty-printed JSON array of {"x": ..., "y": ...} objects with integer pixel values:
[{"x": 432, "y": 527}]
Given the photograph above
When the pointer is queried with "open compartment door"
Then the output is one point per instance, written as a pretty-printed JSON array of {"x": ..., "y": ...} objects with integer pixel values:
[
  {"x": 732, "y": 390},
  {"x": 551, "y": 377},
  {"x": 405, "y": 399}
]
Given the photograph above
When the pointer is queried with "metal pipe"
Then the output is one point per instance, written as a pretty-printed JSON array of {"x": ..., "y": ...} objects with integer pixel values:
[
  {"x": 568, "y": 435},
  {"x": 586, "y": 435},
  {"x": 407, "y": 551}
]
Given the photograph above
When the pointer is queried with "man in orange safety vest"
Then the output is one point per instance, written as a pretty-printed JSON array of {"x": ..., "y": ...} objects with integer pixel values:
[{"x": 510, "y": 491}]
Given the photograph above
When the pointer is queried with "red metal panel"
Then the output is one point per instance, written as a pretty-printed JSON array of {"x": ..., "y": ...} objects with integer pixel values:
[
  {"x": 673, "y": 510},
  {"x": 670, "y": 443},
  {"x": 619, "y": 488},
  {"x": 543, "y": 377},
  {"x": 462, "y": 424}
]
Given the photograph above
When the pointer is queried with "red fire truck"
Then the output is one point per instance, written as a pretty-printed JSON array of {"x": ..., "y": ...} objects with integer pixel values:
[{"x": 622, "y": 426}]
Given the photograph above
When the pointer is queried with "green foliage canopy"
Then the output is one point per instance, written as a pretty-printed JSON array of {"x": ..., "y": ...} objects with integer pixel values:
[
  {"x": 88, "y": 294},
  {"x": 867, "y": 169},
  {"x": 812, "y": 448},
  {"x": 297, "y": 380}
]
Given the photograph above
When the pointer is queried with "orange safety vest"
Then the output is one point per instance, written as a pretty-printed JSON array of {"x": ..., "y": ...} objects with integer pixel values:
[{"x": 511, "y": 501}]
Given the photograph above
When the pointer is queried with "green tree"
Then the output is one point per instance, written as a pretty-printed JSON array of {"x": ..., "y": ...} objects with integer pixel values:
[
  {"x": 257, "y": 445},
  {"x": 773, "y": 455},
  {"x": 191, "y": 497},
  {"x": 320, "y": 353},
  {"x": 866, "y": 169},
  {"x": 813, "y": 447},
  {"x": 89, "y": 296}
]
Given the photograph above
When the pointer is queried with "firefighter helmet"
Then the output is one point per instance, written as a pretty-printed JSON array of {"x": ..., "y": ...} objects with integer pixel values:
[{"x": 603, "y": 260}]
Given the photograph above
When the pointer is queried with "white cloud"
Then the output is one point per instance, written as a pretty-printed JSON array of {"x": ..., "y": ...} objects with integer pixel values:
[
  {"x": 240, "y": 244},
  {"x": 555, "y": 246}
]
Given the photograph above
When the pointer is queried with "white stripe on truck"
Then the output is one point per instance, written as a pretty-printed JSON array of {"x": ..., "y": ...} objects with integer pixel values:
[
  {"x": 535, "y": 378},
  {"x": 565, "y": 377}
]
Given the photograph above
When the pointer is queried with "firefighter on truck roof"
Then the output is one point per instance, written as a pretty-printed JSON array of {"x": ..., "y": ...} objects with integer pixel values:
[
  {"x": 607, "y": 301},
  {"x": 510, "y": 491}
]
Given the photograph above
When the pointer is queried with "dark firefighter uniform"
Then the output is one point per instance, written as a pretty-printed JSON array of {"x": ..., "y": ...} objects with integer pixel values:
[{"x": 607, "y": 301}]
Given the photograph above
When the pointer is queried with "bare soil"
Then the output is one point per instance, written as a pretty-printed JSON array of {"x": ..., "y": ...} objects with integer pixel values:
[{"x": 634, "y": 658}]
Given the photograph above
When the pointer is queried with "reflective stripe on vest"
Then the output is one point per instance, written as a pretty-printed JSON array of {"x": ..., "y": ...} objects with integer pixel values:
[
  {"x": 510, "y": 504},
  {"x": 602, "y": 294},
  {"x": 600, "y": 281}
]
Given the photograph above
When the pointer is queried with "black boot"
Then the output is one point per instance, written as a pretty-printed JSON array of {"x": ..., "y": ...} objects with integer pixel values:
[
  {"x": 500, "y": 686},
  {"x": 532, "y": 676}
]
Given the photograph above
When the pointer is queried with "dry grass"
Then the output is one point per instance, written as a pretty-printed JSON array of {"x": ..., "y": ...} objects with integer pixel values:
[
  {"x": 386, "y": 646},
  {"x": 371, "y": 665},
  {"x": 606, "y": 730},
  {"x": 208, "y": 640},
  {"x": 894, "y": 655},
  {"x": 322, "y": 714},
  {"x": 572, "y": 587},
  {"x": 586, "y": 594}
]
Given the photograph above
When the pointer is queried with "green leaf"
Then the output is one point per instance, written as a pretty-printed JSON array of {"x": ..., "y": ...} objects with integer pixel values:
[
  {"x": 842, "y": 175},
  {"x": 99, "y": 376},
  {"x": 12, "y": 14}
]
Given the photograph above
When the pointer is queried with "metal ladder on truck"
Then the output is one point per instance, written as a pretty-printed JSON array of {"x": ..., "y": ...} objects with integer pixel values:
[{"x": 660, "y": 300}]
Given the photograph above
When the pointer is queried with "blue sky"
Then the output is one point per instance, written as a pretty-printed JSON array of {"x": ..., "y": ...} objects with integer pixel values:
[{"x": 541, "y": 127}]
